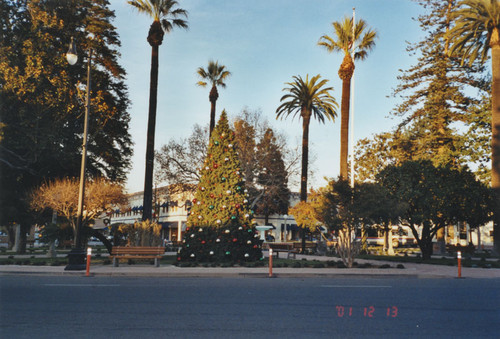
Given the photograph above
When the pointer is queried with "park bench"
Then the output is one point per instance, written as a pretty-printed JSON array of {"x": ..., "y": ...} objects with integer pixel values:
[
  {"x": 310, "y": 246},
  {"x": 126, "y": 252},
  {"x": 282, "y": 247}
]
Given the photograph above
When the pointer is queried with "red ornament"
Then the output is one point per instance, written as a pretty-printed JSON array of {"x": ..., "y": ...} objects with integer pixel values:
[
  {"x": 203, "y": 241},
  {"x": 235, "y": 240},
  {"x": 254, "y": 246},
  {"x": 215, "y": 165},
  {"x": 238, "y": 205}
]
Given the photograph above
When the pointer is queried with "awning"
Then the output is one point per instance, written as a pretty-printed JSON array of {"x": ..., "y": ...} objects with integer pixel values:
[{"x": 169, "y": 224}]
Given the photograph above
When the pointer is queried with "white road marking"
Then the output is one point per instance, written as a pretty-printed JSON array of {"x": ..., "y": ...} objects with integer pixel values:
[
  {"x": 82, "y": 285},
  {"x": 356, "y": 286}
]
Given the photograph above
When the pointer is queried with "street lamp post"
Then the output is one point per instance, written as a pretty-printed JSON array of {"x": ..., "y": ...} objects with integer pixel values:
[
  {"x": 76, "y": 258},
  {"x": 285, "y": 240}
]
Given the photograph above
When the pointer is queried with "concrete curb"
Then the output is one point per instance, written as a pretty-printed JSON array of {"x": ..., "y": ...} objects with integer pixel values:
[{"x": 410, "y": 271}]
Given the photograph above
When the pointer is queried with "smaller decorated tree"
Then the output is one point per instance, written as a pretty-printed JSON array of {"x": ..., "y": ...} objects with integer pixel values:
[{"x": 220, "y": 223}]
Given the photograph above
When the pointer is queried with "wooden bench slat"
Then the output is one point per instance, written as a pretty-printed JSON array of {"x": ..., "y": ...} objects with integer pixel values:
[{"x": 135, "y": 252}]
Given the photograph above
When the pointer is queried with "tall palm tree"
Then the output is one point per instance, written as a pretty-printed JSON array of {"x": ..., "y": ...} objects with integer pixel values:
[
  {"x": 165, "y": 18},
  {"x": 357, "y": 45},
  {"x": 477, "y": 30},
  {"x": 307, "y": 98},
  {"x": 216, "y": 75}
]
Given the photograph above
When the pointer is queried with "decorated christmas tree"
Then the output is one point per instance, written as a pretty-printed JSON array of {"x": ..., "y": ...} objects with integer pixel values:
[{"x": 220, "y": 223}]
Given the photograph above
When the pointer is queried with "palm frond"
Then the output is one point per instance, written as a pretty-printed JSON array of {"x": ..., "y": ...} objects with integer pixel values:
[
  {"x": 475, "y": 22},
  {"x": 162, "y": 11},
  {"x": 214, "y": 73},
  {"x": 362, "y": 42},
  {"x": 308, "y": 97}
]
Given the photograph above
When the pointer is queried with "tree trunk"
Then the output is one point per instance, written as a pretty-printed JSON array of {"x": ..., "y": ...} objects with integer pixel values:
[
  {"x": 305, "y": 156},
  {"x": 214, "y": 95},
  {"x": 390, "y": 250},
  {"x": 344, "y": 128},
  {"x": 426, "y": 242},
  {"x": 345, "y": 72},
  {"x": 495, "y": 140},
  {"x": 154, "y": 38},
  {"x": 306, "y": 116}
]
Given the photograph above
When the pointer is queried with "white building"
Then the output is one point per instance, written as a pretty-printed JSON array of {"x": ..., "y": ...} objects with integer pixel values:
[{"x": 172, "y": 208}]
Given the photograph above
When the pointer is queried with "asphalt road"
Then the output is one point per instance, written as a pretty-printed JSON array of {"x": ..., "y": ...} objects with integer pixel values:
[{"x": 125, "y": 307}]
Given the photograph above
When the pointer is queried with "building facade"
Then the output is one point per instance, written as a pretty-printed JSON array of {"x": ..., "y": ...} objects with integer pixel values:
[{"x": 172, "y": 206}]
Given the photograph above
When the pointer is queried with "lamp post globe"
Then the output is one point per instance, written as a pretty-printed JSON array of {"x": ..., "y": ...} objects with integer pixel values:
[{"x": 71, "y": 56}]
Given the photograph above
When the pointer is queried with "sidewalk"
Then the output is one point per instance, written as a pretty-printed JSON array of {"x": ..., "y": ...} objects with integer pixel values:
[{"x": 411, "y": 270}]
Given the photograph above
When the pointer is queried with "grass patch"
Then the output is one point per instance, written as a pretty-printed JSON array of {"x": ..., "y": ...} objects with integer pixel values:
[{"x": 446, "y": 261}]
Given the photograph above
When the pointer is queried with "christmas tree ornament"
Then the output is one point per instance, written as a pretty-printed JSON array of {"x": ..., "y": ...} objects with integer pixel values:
[
  {"x": 249, "y": 242},
  {"x": 228, "y": 191},
  {"x": 200, "y": 229},
  {"x": 219, "y": 221},
  {"x": 192, "y": 255},
  {"x": 247, "y": 255},
  {"x": 216, "y": 143},
  {"x": 211, "y": 252},
  {"x": 211, "y": 207}
]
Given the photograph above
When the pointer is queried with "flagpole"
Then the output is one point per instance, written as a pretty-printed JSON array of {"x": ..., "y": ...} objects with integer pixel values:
[{"x": 351, "y": 143}]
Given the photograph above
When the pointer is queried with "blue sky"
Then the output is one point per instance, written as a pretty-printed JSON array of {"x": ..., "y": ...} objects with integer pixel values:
[{"x": 263, "y": 43}]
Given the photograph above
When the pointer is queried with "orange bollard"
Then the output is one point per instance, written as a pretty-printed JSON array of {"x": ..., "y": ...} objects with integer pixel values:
[
  {"x": 459, "y": 258},
  {"x": 270, "y": 263},
  {"x": 89, "y": 255}
]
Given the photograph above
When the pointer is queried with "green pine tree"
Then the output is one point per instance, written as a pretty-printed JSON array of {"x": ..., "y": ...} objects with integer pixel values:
[
  {"x": 435, "y": 93},
  {"x": 220, "y": 222}
]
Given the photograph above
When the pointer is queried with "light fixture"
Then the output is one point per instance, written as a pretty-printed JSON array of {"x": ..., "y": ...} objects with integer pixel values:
[{"x": 71, "y": 56}]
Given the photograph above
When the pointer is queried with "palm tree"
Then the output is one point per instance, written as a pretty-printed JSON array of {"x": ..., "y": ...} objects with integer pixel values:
[
  {"x": 165, "y": 18},
  {"x": 477, "y": 30},
  {"x": 216, "y": 75},
  {"x": 357, "y": 45},
  {"x": 307, "y": 98}
]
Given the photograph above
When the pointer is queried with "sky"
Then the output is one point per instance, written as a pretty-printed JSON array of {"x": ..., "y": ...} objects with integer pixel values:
[{"x": 263, "y": 43}]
